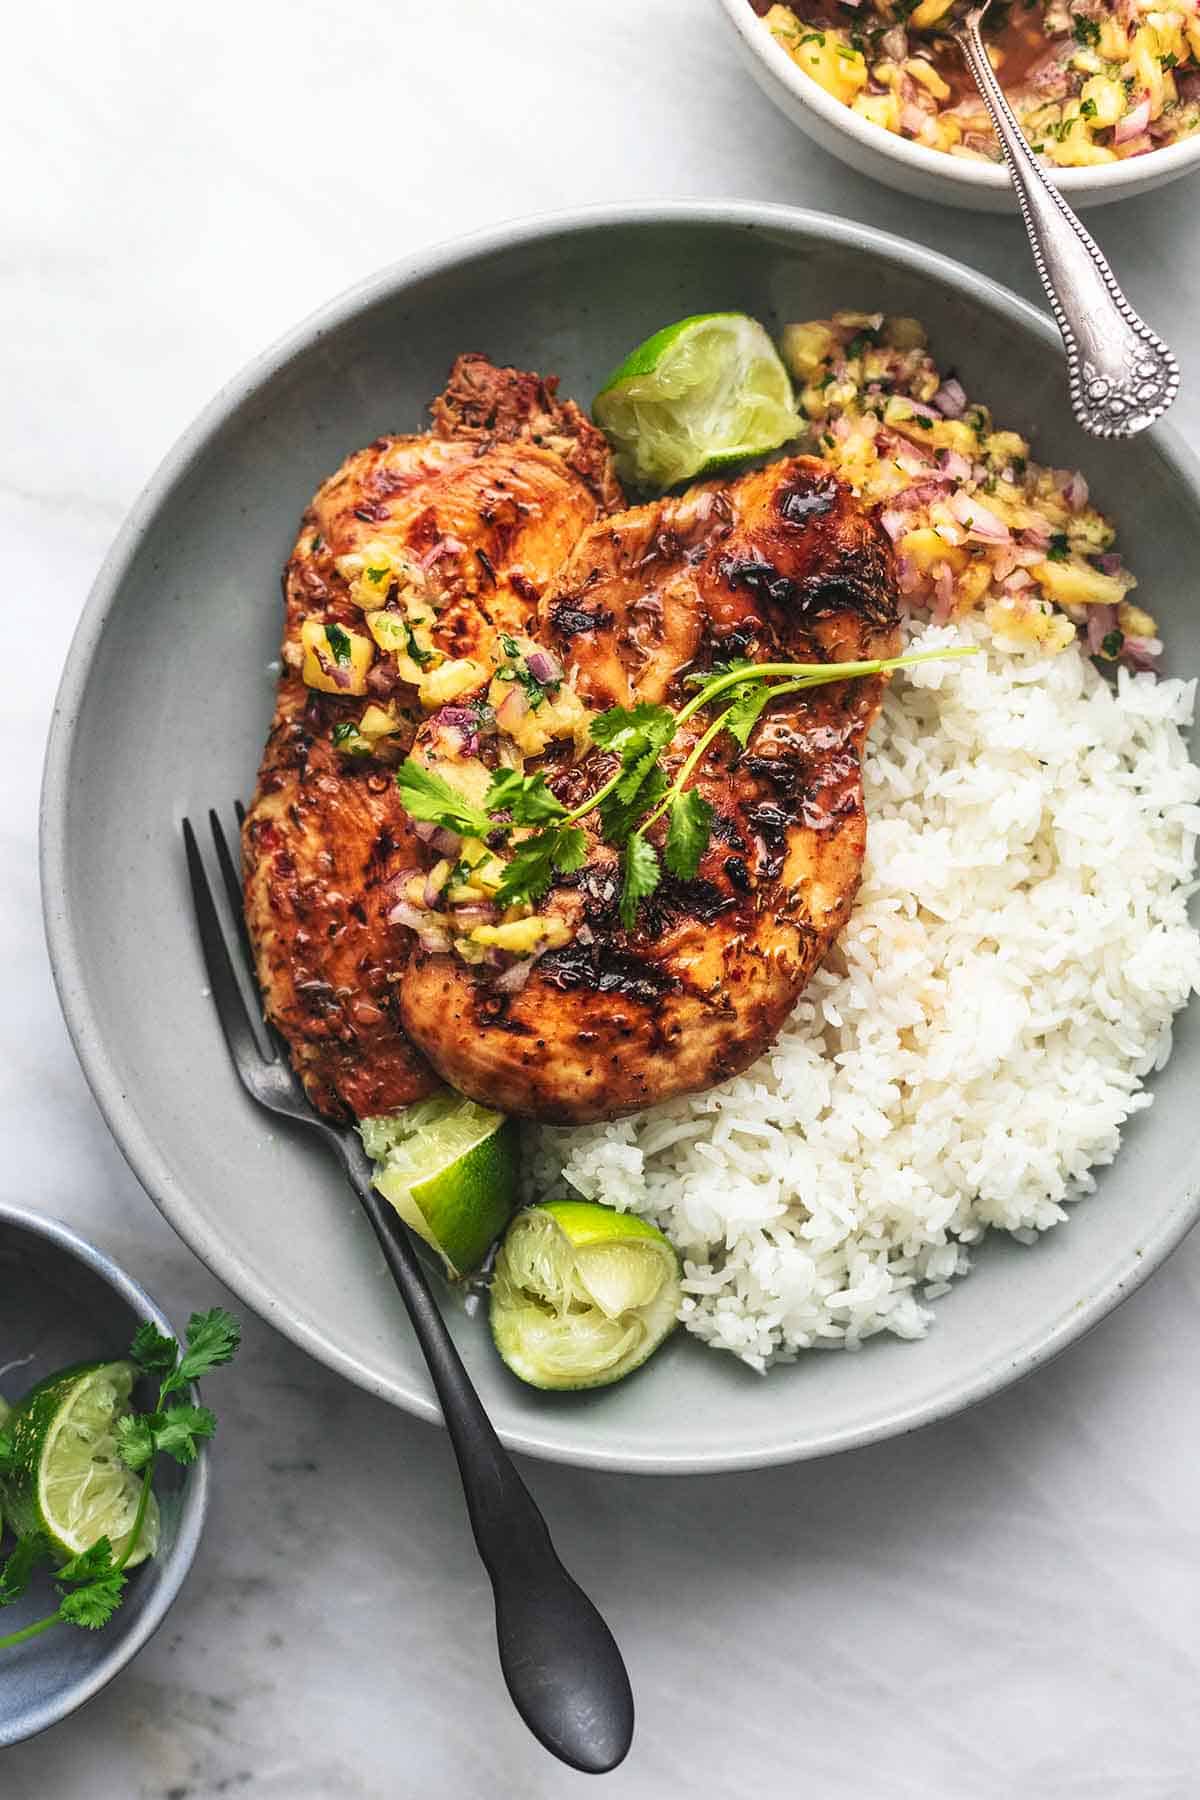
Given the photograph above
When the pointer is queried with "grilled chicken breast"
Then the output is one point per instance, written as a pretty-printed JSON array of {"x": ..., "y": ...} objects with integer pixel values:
[
  {"x": 484, "y": 512},
  {"x": 781, "y": 565}
]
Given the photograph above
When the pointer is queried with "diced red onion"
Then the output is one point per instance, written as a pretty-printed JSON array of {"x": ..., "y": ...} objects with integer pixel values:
[
  {"x": 446, "y": 546},
  {"x": 397, "y": 883},
  {"x": 956, "y": 465},
  {"x": 1109, "y": 563},
  {"x": 1075, "y": 491},
  {"x": 1037, "y": 530},
  {"x": 943, "y": 589},
  {"x": 478, "y": 913},
  {"x": 542, "y": 666},
  {"x": 1101, "y": 620},
  {"x": 413, "y": 918},
  {"x": 894, "y": 43},
  {"x": 1141, "y": 653},
  {"x": 1134, "y": 122},
  {"x": 912, "y": 118},
  {"x": 1020, "y": 578},
  {"x": 424, "y": 829},
  {"x": 512, "y": 708},
  {"x": 951, "y": 399},
  {"x": 978, "y": 520},
  {"x": 382, "y": 679},
  {"x": 433, "y": 940},
  {"x": 908, "y": 575},
  {"x": 894, "y": 523},
  {"x": 446, "y": 843},
  {"x": 514, "y": 978}
]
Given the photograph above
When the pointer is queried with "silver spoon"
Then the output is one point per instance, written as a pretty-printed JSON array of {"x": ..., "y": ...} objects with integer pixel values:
[{"x": 1122, "y": 376}]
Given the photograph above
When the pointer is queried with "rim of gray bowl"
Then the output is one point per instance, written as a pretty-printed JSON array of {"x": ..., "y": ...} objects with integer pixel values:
[
  {"x": 175, "y": 1567},
  {"x": 136, "y": 1143},
  {"x": 1152, "y": 166}
]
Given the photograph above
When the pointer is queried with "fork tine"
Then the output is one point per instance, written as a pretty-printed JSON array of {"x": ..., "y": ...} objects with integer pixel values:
[
  {"x": 273, "y": 1047},
  {"x": 227, "y": 997}
]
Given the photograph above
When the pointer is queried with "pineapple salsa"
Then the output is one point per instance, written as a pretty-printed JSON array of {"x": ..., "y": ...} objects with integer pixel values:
[
  {"x": 474, "y": 718},
  {"x": 1091, "y": 81}
]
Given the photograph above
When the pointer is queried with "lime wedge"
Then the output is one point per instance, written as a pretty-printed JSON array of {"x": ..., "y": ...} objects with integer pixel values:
[
  {"x": 581, "y": 1295},
  {"x": 694, "y": 397},
  {"x": 449, "y": 1167},
  {"x": 68, "y": 1480}
]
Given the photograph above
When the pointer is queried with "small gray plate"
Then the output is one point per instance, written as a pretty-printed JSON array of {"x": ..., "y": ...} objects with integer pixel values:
[
  {"x": 165, "y": 703},
  {"x": 62, "y": 1301}
]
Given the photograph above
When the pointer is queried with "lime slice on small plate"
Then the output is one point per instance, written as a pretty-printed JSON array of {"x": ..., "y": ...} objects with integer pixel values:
[
  {"x": 696, "y": 396},
  {"x": 449, "y": 1167},
  {"x": 581, "y": 1295},
  {"x": 68, "y": 1480}
]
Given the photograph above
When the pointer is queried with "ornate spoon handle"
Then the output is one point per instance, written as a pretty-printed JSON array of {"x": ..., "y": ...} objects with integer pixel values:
[{"x": 1122, "y": 376}]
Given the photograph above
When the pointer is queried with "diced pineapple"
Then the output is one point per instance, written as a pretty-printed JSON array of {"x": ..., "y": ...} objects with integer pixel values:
[
  {"x": 928, "y": 13},
  {"x": 903, "y": 333},
  {"x": 1135, "y": 621},
  {"x": 832, "y": 61},
  {"x": 335, "y": 660},
  {"x": 1073, "y": 582},
  {"x": 1077, "y": 151},
  {"x": 927, "y": 549},
  {"x": 1114, "y": 40},
  {"x": 805, "y": 348},
  {"x": 1107, "y": 97},
  {"x": 437, "y": 687},
  {"x": 379, "y": 722},
  {"x": 928, "y": 77},
  {"x": 564, "y": 716},
  {"x": 1147, "y": 70},
  {"x": 1004, "y": 447},
  {"x": 1030, "y": 622},
  {"x": 974, "y": 582},
  {"x": 522, "y": 936}
]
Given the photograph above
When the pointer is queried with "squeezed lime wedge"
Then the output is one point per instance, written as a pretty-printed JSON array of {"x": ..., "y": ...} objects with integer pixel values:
[
  {"x": 698, "y": 395},
  {"x": 68, "y": 1480},
  {"x": 581, "y": 1295},
  {"x": 449, "y": 1167}
]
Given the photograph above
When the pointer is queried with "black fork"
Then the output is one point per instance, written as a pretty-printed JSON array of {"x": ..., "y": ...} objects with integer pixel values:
[{"x": 560, "y": 1662}]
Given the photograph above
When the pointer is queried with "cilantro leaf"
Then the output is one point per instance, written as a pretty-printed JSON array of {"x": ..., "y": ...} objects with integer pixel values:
[
  {"x": 526, "y": 797},
  {"x": 135, "y": 1439},
  {"x": 16, "y": 1570},
  {"x": 89, "y": 1565},
  {"x": 339, "y": 642},
  {"x": 8, "y": 1452},
  {"x": 1060, "y": 547},
  {"x": 1085, "y": 30},
  {"x": 688, "y": 833},
  {"x": 635, "y": 777},
  {"x": 425, "y": 795},
  {"x": 213, "y": 1338},
  {"x": 94, "y": 1605},
  {"x": 633, "y": 730},
  {"x": 642, "y": 876},
  {"x": 619, "y": 818},
  {"x": 178, "y": 1431},
  {"x": 747, "y": 708},
  {"x": 531, "y": 868},
  {"x": 152, "y": 1352}
]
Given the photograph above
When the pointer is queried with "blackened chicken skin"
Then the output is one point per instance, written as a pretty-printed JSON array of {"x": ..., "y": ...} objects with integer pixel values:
[
  {"x": 781, "y": 565},
  {"x": 491, "y": 504}
]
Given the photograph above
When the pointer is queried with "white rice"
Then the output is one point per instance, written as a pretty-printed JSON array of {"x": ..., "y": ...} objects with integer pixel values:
[{"x": 973, "y": 1045}]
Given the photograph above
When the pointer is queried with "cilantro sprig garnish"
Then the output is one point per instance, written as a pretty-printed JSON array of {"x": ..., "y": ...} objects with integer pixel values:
[
  {"x": 92, "y": 1585},
  {"x": 637, "y": 794}
]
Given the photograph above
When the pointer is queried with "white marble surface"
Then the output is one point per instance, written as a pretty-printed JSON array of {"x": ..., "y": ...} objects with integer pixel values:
[{"x": 1004, "y": 1605}]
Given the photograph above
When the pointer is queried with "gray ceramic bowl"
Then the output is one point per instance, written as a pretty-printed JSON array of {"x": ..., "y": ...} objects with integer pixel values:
[
  {"x": 163, "y": 709},
  {"x": 63, "y": 1301}
]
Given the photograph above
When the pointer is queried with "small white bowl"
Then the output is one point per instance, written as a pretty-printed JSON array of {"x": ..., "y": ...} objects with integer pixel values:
[{"x": 930, "y": 174}]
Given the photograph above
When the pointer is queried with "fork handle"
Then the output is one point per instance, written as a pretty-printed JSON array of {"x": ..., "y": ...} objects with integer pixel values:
[
  {"x": 1122, "y": 376},
  {"x": 560, "y": 1662}
]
